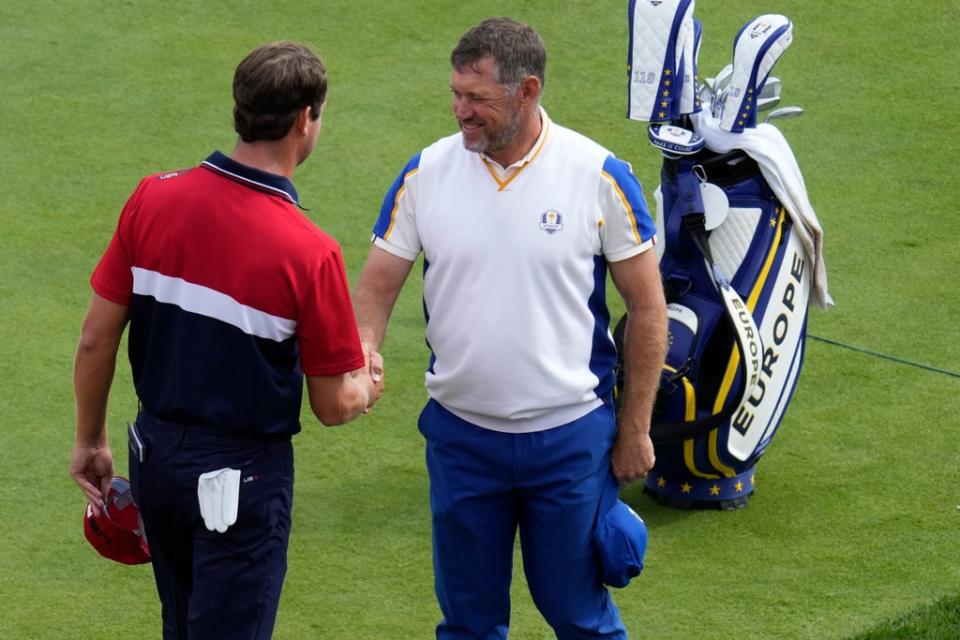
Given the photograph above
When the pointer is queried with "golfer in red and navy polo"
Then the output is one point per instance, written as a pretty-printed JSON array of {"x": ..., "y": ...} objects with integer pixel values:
[{"x": 232, "y": 296}]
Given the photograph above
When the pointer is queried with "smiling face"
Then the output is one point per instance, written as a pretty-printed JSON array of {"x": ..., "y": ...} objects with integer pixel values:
[{"x": 489, "y": 114}]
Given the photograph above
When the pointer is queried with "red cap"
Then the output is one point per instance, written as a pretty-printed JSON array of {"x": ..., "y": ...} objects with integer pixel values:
[{"x": 116, "y": 532}]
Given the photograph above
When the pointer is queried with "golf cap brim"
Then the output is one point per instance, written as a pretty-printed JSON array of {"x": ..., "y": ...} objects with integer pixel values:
[
  {"x": 117, "y": 536},
  {"x": 620, "y": 539}
]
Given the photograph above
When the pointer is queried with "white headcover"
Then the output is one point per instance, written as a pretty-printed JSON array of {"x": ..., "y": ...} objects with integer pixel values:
[
  {"x": 756, "y": 49},
  {"x": 661, "y": 59},
  {"x": 689, "y": 40}
]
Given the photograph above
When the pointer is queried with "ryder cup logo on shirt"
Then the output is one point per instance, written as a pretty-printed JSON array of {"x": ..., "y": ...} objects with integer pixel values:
[{"x": 551, "y": 221}]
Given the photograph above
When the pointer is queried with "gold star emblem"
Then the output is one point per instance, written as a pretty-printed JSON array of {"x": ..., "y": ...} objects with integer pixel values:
[
  {"x": 714, "y": 490},
  {"x": 666, "y": 93},
  {"x": 686, "y": 487},
  {"x": 664, "y": 104},
  {"x": 740, "y": 122},
  {"x": 661, "y": 482},
  {"x": 666, "y": 72},
  {"x": 746, "y": 107},
  {"x": 749, "y": 90},
  {"x": 666, "y": 83},
  {"x": 749, "y": 98},
  {"x": 773, "y": 223},
  {"x": 661, "y": 114},
  {"x": 739, "y": 486}
]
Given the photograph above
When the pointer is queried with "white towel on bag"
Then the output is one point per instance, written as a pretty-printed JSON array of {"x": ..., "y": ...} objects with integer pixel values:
[{"x": 771, "y": 151}]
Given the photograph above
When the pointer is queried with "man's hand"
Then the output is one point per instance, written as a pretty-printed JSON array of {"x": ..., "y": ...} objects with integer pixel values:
[
  {"x": 92, "y": 469},
  {"x": 91, "y": 464},
  {"x": 374, "y": 361},
  {"x": 632, "y": 456},
  {"x": 374, "y": 371}
]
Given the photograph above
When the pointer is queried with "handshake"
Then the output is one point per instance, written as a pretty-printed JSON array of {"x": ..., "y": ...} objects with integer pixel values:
[
  {"x": 338, "y": 399},
  {"x": 371, "y": 376}
]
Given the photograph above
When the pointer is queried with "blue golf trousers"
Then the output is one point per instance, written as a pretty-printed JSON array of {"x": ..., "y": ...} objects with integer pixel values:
[
  {"x": 484, "y": 486},
  {"x": 214, "y": 585}
]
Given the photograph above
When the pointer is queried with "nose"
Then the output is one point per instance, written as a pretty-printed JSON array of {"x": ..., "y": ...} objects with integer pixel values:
[{"x": 462, "y": 108}]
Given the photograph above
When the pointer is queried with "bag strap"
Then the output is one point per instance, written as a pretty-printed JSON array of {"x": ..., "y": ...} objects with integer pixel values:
[{"x": 737, "y": 314}]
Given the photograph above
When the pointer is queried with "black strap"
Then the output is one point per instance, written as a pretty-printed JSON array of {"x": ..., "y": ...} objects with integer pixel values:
[{"x": 693, "y": 222}]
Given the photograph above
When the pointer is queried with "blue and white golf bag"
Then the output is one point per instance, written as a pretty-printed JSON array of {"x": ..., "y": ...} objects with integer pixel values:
[
  {"x": 740, "y": 252},
  {"x": 737, "y": 304}
]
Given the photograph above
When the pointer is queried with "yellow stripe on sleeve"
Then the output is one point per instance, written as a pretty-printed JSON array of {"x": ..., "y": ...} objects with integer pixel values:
[
  {"x": 626, "y": 205},
  {"x": 396, "y": 201}
]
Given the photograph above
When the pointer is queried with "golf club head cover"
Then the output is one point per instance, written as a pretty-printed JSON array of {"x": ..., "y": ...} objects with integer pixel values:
[
  {"x": 758, "y": 46},
  {"x": 659, "y": 32},
  {"x": 692, "y": 32}
]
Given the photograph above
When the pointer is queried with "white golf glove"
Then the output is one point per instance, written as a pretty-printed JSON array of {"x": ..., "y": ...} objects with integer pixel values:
[{"x": 219, "y": 495}]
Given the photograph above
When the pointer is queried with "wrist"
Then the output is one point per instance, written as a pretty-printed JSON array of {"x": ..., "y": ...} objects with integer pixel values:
[
  {"x": 633, "y": 422},
  {"x": 88, "y": 444},
  {"x": 92, "y": 440}
]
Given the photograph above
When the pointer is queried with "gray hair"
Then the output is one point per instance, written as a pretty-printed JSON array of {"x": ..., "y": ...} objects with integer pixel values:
[{"x": 516, "y": 49}]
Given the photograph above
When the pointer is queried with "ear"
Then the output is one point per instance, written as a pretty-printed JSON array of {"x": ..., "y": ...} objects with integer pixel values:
[
  {"x": 302, "y": 123},
  {"x": 530, "y": 89}
]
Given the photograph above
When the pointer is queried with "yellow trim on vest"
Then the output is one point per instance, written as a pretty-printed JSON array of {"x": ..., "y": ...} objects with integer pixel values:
[
  {"x": 503, "y": 183},
  {"x": 626, "y": 205},
  {"x": 396, "y": 201}
]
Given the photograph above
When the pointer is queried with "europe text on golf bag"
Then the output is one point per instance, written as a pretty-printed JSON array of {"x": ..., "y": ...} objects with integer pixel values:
[{"x": 723, "y": 391}]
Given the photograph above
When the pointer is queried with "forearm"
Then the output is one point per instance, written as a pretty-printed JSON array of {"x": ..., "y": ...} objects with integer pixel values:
[
  {"x": 376, "y": 293},
  {"x": 645, "y": 345},
  {"x": 92, "y": 377},
  {"x": 337, "y": 400},
  {"x": 355, "y": 397},
  {"x": 373, "y": 313}
]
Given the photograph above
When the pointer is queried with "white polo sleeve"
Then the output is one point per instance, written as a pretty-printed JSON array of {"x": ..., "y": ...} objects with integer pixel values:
[
  {"x": 626, "y": 227},
  {"x": 395, "y": 230}
]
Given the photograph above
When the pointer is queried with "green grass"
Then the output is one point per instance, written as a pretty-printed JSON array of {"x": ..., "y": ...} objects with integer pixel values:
[
  {"x": 937, "y": 621},
  {"x": 855, "y": 517}
]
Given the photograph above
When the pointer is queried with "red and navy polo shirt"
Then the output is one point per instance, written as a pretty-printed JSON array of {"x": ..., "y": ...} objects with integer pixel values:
[{"x": 233, "y": 293}]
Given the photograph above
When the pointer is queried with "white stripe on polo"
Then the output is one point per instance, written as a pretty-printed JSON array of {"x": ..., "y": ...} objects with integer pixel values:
[{"x": 210, "y": 303}]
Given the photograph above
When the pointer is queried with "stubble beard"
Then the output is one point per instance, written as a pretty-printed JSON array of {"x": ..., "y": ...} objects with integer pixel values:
[{"x": 497, "y": 140}]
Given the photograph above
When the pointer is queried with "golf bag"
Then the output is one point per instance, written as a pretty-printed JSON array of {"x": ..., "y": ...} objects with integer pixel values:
[{"x": 737, "y": 291}]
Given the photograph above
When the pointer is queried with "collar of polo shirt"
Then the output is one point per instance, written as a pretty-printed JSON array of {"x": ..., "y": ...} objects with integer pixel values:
[
  {"x": 503, "y": 175},
  {"x": 252, "y": 177}
]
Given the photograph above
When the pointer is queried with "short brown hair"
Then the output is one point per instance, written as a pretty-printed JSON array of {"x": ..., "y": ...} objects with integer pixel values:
[
  {"x": 516, "y": 49},
  {"x": 271, "y": 85}
]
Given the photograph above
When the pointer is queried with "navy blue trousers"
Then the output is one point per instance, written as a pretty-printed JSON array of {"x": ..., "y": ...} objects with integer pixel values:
[
  {"x": 485, "y": 486},
  {"x": 214, "y": 585}
]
